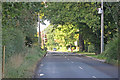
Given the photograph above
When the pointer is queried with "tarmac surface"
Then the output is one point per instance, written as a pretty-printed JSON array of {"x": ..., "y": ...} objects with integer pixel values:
[{"x": 71, "y": 65}]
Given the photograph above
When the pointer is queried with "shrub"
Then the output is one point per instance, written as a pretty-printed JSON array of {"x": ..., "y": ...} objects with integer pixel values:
[
  {"x": 23, "y": 66},
  {"x": 91, "y": 48},
  {"x": 13, "y": 39},
  {"x": 111, "y": 50}
]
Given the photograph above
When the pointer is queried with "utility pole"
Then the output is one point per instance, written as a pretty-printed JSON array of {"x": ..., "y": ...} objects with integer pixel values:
[
  {"x": 102, "y": 27},
  {"x": 44, "y": 40},
  {"x": 39, "y": 42}
]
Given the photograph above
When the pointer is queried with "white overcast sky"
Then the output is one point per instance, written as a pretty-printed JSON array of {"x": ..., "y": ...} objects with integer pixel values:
[{"x": 42, "y": 27}]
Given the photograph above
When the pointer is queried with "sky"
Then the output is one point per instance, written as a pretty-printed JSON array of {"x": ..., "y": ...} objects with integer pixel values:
[{"x": 42, "y": 27}]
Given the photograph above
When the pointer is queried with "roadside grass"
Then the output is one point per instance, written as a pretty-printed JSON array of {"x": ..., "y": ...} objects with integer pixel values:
[
  {"x": 90, "y": 54},
  {"x": 100, "y": 56},
  {"x": 23, "y": 65}
]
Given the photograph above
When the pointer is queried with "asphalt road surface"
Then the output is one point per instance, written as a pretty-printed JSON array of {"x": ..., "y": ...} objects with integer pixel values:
[{"x": 68, "y": 65}]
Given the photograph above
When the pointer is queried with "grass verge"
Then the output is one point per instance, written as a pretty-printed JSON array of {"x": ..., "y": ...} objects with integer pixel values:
[
  {"x": 100, "y": 56},
  {"x": 23, "y": 65}
]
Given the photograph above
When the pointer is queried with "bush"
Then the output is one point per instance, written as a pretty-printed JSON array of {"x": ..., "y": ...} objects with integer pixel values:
[
  {"x": 111, "y": 50},
  {"x": 91, "y": 48},
  {"x": 13, "y": 40},
  {"x": 23, "y": 66}
]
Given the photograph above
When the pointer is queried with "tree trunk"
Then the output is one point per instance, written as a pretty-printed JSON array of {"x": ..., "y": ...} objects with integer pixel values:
[
  {"x": 97, "y": 49},
  {"x": 86, "y": 47},
  {"x": 71, "y": 47},
  {"x": 81, "y": 43},
  {"x": 83, "y": 46}
]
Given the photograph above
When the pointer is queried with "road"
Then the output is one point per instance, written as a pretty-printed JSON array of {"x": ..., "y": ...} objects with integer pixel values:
[{"x": 67, "y": 65}]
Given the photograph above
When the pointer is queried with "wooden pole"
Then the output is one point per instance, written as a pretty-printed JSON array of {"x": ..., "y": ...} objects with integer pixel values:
[
  {"x": 3, "y": 62},
  {"x": 39, "y": 38}
]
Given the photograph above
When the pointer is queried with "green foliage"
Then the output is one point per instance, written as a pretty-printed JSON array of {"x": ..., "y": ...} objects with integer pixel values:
[
  {"x": 20, "y": 16},
  {"x": 19, "y": 21},
  {"x": 13, "y": 39},
  {"x": 111, "y": 50},
  {"x": 63, "y": 49},
  {"x": 26, "y": 67},
  {"x": 91, "y": 48},
  {"x": 0, "y": 41},
  {"x": 50, "y": 38},
  {"x": 85, "y": 17},
  {"x": 63, "y": 36}
]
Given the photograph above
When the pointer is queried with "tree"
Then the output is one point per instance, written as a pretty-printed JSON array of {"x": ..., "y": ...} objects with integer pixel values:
[
  {"x": 65, "y": 35},
  {"x": 69, "y": 13},
  {"x": 50, "y": 38},
  {"x": 81, "y": 15},
  {"x": 19, "y": 24}
]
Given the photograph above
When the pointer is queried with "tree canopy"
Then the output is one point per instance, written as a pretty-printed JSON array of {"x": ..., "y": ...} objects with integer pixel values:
[{"x": 84, "y": 16}]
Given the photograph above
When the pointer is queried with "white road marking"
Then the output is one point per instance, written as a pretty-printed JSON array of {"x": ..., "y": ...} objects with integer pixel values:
[
  {"x": 80, "y": 67},
  {"x": 41, "y": 74},
  {"x": 68, "y": 59},
  {"x": 41, "y": 64},
  {"x": 93, "y": 76},
  {"x": 65, "y": 57},
  {"x": 72, "y": 62}
]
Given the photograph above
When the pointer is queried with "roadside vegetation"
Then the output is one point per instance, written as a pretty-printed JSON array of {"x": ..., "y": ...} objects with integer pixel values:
[
  {"x": 73, "y": 27},
  {"x": 110, "y": 55},
  {"x": 19, "y": 36},
  {"x": 23, "y": 65},
  {"x": 79, "y": 23}
]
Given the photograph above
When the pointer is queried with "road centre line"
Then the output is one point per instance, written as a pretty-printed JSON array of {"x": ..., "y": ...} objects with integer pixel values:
[
  {"x": 41, "y": 74},
  {"x": 72, "y": 62},
  {"x": 80, "y": 67},
  {"x": 93, "y": 76},
  {"x": 41, "y": 64}
]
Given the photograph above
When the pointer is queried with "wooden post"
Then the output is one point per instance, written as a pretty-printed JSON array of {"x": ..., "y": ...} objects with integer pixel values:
[
  {"x": 3, "y": 62},
  {"x": 39, "y": 37}
]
